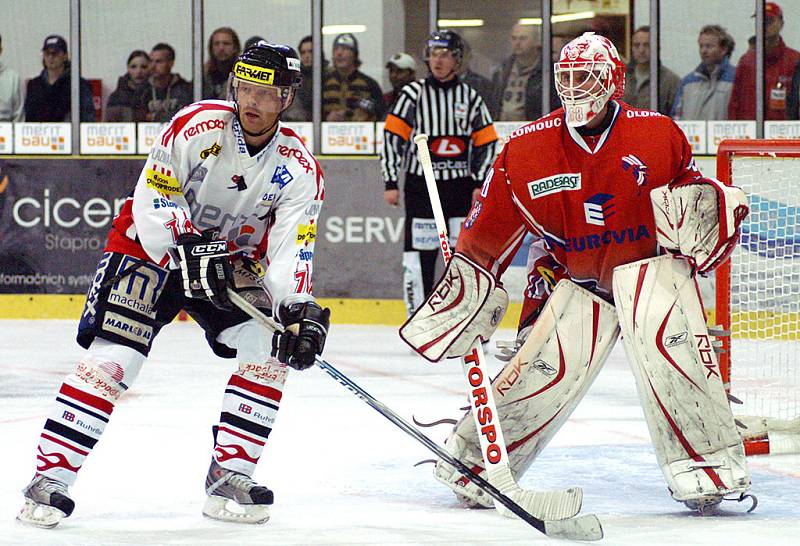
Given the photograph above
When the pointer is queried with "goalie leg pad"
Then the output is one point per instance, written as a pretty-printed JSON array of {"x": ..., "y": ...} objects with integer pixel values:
[
  {"x": 542, "y": 384},
  {"x": 413, "y": 291},
  {"x": 466, "y": 304},
  {"x": 669, "y": 350}
]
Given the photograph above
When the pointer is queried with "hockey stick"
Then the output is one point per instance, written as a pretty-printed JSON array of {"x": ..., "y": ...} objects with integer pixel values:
[
  {"x": 582, "y": 528},
  {"x": 494, "y": 452}
]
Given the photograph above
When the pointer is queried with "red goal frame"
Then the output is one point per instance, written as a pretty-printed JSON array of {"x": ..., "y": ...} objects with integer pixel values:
[{"x": 725, "y": 152}]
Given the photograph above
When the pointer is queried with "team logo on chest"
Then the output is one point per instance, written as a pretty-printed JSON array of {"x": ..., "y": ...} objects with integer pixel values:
[
  {"x": 282, "y": 176},
  {"x": 599, "y": 208},
  {"x": 238, "y": 183},
  {"x": 637, "y": 167}
]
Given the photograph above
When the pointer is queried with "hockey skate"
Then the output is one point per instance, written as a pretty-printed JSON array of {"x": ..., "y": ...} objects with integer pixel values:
[
  {"x": 712, "y": 504},
  {"x": 233, "y": 496},
  {"x": 47, "y": 502}
]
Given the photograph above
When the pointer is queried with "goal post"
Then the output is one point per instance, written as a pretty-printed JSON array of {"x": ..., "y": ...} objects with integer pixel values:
[{"x": 758, "y": 294}]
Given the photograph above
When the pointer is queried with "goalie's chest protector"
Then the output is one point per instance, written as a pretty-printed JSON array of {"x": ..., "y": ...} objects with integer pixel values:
[{"x": 590, "y": 198}]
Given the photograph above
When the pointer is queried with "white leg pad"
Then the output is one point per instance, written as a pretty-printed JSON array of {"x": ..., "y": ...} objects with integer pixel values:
[
  {"x": 540, "y": 387},
  {"x": 669, "y": 350}
]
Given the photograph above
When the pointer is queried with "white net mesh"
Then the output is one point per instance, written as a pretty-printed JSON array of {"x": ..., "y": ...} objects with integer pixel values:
[{"x": 765, "y": 290}]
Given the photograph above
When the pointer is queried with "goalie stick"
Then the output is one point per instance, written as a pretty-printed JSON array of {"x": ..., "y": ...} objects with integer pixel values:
[
  {"x": 580, "y": 528},
  {"x": 495, "y": 454}
]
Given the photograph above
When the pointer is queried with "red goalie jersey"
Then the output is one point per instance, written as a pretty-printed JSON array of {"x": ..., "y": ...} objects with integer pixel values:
[{"x": 585, "y": 199}]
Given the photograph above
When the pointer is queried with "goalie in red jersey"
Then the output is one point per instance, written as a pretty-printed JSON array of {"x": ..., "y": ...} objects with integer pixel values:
[{"x": 622, "y": 222}]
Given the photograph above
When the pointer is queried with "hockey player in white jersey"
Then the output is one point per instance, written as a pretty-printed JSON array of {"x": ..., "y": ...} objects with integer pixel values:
[{"x": 228, "y": 198}]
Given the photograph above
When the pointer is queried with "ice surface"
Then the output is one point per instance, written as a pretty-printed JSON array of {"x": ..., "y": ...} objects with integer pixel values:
[{"x": 341, "y": 473}]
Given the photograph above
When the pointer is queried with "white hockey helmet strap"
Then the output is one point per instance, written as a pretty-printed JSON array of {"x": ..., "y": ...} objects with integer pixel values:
[{"x": 588, "y": 74}]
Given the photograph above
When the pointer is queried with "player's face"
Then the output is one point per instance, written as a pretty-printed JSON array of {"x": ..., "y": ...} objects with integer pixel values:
[
  {"x": 259, "y": 105},
  {"x": 443, "y": 64},
  {"x": 580, "y": 80},
  {"x": 711, "y": 52},
  {"x": 640, "y": 47}
]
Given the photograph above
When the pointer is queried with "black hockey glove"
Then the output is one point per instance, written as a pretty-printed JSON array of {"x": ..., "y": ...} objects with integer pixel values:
[
  {"x": 205, "y": 268},
  {"x": 306, "y": 326}
]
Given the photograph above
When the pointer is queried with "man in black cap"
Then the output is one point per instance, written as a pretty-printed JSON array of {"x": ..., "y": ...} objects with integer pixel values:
[
  {"x": 347, "y": 93},
  {"x": 47, "y": 97}
]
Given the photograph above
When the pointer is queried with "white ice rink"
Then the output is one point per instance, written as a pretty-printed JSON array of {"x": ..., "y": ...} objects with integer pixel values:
[{"x": 341, "y": 473}]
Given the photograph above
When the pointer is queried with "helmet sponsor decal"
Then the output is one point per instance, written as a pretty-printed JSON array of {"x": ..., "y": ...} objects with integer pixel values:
[{"x": 252, "y": 73}]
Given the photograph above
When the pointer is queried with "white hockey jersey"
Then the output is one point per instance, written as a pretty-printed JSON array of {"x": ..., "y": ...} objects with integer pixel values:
[{"x": 200, "y": 175}]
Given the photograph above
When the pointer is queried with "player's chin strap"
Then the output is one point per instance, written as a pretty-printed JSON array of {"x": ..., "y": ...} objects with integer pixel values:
[{"x": 579, "y": 528}]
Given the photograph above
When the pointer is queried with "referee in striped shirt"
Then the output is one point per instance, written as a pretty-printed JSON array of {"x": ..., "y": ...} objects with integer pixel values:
[{"x": 463, "y": 144}]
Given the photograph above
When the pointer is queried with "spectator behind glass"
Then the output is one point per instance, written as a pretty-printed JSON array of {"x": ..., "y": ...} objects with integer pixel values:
[
  {"x": 704, "y": 94},
  {"x": 10, "y": 92},
  {"x": 223, "y": 48},
  {"x": 47, "y": 97},
  {"x": 402, "y": 70},
  {"x": 168, "y": 92},
  {"x": 637, "y": 77},
  {"x": 517, "y": 82},
  {"x": 303, "y": 104},
  {"x": 480, "y": 84},
  {"x": 129, "y": 101},
  {"x": 347, "y": 93},
  {"x": 779, "y": 66}
]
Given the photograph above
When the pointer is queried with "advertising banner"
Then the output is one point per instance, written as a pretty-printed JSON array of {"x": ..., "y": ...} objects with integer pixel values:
[
  {"x": 6, "y": 138},
  {"x": 696, "y": 134},
  {"x": 305, "y": 130},
  {"x": 348, "y": 138},
  {"x": 146, "y": 134},
  {"x": 781, "y": 129},
  {"x": 108, "y": 138},
  {"x": 42, "y": 138},
  {"x": 721, "y": 130},
  {"x": 54, "y": 218}
]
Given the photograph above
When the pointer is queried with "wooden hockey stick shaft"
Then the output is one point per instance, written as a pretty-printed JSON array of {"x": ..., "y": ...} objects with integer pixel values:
[{"x": 583, "y": 528}]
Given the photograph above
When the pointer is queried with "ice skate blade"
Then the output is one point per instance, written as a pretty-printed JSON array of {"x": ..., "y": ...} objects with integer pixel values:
[
  {"x": 39, "y": 515},
  {"x": 224, "y": 509}
]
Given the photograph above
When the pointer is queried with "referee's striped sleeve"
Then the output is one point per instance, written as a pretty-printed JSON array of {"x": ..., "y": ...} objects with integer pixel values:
[
  {"x": 484, "y": 140},
  {"x": 396, "y": 135}
]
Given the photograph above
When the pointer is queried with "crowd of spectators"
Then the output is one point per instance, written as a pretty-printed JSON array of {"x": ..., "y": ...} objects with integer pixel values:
[{"x": 149, "y": 90}]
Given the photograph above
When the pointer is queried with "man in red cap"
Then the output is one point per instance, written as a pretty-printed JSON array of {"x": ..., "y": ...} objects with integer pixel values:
[{"x": 780, "y": 62}]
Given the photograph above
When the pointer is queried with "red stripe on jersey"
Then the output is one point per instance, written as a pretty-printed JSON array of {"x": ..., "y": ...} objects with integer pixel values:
[
  {"x": 64, "y": 444},
  {"x": 320, "y": 195},
  {"x": 256, "y": 388},
  {"x": 180, "y": 122},
  {"x": 242, "y": 436},
  {"x": 89, "y": 399}
]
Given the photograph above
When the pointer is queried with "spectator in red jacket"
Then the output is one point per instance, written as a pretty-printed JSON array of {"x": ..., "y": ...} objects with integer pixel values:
[{"x": 780, "y": 62}]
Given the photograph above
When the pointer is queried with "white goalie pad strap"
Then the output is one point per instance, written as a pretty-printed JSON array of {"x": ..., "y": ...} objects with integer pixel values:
[
  {"x": 699, "y": 219},
  {"x": 466, "y": 304},
  {"x": 542, "y": 384},
  {"x": 669, "y": 350}
]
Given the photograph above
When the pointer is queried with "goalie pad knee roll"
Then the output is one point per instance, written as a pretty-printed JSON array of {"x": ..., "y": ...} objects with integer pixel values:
[
  {"x": 466, "y": 304},
  {"x": 541, "y": 385},
  {"x": 699, "y": 220},
  {"x": 669, "y": 350}
]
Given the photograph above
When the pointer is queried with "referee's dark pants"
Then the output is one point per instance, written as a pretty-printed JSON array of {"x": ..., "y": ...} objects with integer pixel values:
[{"x": 456, "y": 198}]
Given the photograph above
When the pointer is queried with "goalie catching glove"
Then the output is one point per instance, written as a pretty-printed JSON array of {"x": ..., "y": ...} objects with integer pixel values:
[
  {"x": 205, "y": 268},
  {"x": 465, "y": 305},
  {"x": 699, "y": 220},
  {"x": 306, "y": 327}
]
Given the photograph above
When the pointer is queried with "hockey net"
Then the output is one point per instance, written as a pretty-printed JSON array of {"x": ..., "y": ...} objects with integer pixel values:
[{"x": 758, "y": 294}]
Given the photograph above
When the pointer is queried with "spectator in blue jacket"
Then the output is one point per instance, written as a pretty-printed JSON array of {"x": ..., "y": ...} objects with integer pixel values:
[{"x": 704, "y": 94}]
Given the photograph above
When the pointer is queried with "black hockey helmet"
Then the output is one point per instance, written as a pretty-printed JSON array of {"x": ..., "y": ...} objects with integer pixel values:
[
  {"x": 269, "y": 64},
  {"x": 445, "y": 39}
]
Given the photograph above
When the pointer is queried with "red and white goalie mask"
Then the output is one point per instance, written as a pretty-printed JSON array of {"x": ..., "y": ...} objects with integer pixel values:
[{"x": 588, "y": 74}]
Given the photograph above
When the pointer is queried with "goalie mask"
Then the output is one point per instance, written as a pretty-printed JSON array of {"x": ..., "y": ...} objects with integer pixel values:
[
  {"x": 266, "y": 73},
  {"x": 588, "y": 74}
]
